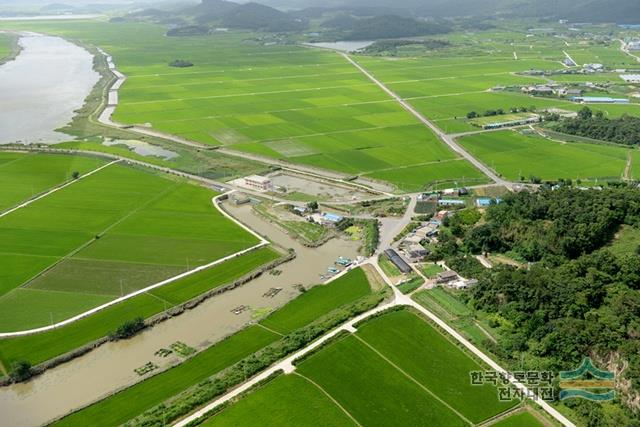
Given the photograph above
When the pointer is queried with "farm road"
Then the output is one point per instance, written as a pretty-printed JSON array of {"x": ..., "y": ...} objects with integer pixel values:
[
  {"x": 287, "y": 365},
  {"x": 447, "y": 139}
]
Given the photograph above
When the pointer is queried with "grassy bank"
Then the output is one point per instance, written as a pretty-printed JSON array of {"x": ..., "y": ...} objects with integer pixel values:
[
  {"x": 44, "y": 346},
  {"x": 129, "y": 403}
]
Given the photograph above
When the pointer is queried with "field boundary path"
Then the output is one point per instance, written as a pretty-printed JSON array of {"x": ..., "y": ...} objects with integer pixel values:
[
  {"x": 447, "y": 139},
  {"x": 287, "y": 364},
  {"x": 575, "y": 64},
  {"x": 215, "y": 201},
  {"x": 57, "y": 188},
  {"x": 112, "y": 101},
  {"x": 625, "y": 49}
]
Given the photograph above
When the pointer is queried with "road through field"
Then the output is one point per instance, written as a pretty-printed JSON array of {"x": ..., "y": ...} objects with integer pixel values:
[
  {"x": 287, "y": 365},
  {"x": 261, "y": 242},
  {"x": 447, "y": 139},
  {"x": 55, "y": 189}
]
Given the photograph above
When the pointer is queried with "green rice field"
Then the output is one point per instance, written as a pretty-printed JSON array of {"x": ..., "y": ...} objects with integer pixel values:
[
  {"x": 425, "y": 378},
  {"x": 286, "y": 400},
  {"x": 303, "y": 310},
  {"x": 43, "y": 346},
  {"x": 20, "y": 183},
  {"x": 306, "y": 106},
  {"x": 319, "y": 300},
  {"x": 103, "y": 237},
  {"x": 514, "y": 155},
  {"x": 521, "y": 419}
]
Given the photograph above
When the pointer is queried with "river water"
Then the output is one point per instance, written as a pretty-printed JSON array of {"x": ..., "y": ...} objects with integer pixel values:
[
  {"x": 42, "y": 87},
  {"x": 110, "y": 367}
]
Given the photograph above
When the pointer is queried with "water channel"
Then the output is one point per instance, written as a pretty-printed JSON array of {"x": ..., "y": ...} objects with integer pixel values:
[{"x": 111, "y": 366}]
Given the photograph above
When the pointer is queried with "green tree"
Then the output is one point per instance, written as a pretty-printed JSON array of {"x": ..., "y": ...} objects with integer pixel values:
[
  {"x": 21, "y": 371},
  {"x": 585, "y": 113}
]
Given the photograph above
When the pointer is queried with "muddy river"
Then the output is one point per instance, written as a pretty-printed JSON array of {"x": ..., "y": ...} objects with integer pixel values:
[
  {"x": 111, "y": 366},
  {"x": 42, "y": 87}
]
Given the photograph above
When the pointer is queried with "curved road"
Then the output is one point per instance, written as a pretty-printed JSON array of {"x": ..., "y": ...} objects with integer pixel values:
[
  {"x": 287, "y": 365},
  {"x": 262, "y": 242}
]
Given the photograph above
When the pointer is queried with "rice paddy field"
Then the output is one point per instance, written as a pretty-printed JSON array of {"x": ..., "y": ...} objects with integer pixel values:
[
  {"x": 20, "y": 183},
  {"x": 312, "y": 108},
  {"x": 306, "y": 106},
  {"x": 520, "y": 419},
  {"x": 448, "y": 83},
  {"x": 41, "y": 347},
  {"x": 319, "y": 300},
  {"x": 306, "y": 308},
  {"x": 515, "y": 156},
  {"x": 102, "y": 237},
  {"x": 425, "y": 378}
]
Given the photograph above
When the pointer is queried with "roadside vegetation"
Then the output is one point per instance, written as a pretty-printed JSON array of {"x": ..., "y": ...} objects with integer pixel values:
[
  {"x": 389, "y": 349},
  {"x": 225, "y": 364},
  {"x": 44, "y": 346},
  {"x": 576, "y": 296}
]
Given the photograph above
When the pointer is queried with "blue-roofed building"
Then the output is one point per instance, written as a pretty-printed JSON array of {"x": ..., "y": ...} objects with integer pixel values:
[
  {"x": 331, "y": 217},
  {"x": 484, "y": 202}
]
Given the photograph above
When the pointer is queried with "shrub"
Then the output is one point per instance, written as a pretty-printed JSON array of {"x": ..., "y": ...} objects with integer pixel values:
[
  {"x": 21, "y": 371},
  {"x": 128, "y": 329}
]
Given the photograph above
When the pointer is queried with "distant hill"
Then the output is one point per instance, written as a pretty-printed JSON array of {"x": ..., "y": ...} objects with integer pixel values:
[
  {"x": 389, "y": 27},
  {"x": 255, "y": 16},
  {"x": 619, "y": 11},
  {"x": 210, "y": 10},
  {"x": 223, "y": 13}
]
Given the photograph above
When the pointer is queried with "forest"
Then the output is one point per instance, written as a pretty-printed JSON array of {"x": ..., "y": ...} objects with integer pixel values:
[
  {"x": 576, "y": 298},
  {"x": 623, "y": 130}
]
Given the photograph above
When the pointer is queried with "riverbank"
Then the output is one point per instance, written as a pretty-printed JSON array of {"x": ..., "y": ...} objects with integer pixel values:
[
  {"x": 14, "y": 49},
  {"x": 110, "y": 366}
]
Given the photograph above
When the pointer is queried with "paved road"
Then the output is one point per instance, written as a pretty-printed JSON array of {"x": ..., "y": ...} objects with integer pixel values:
[
  {"x": 287, "y": 365},
  {"x": 623, "y": 48},
  {"x": 447, "y": 139},
  {"x": 215, "y": 200},
  {"x": 391, "y": 227},
  {"x": 569, "y": 58},
  {"x": 53, "y": 190}
]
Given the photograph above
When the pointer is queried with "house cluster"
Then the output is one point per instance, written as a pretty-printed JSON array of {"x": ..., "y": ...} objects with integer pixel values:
[
  {"x": 633, "y": 45},
  {"x": 451, "y": 279},
  {"x": 552, "y": 89},
  {"x": 326, "y": 219},
  {"x": 412, "y": 245},
  {"x": 593, "y": 68}
]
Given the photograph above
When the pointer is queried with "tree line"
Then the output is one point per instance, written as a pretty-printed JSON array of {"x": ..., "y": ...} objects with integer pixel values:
[
  {"x": 574, "y": 299},
  {"x": 623, "y": 130}
]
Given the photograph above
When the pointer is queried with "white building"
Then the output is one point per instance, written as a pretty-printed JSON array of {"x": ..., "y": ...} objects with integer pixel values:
[
  {"x": 630, "y": 78},
  {"x": 257, "y": 182}
]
